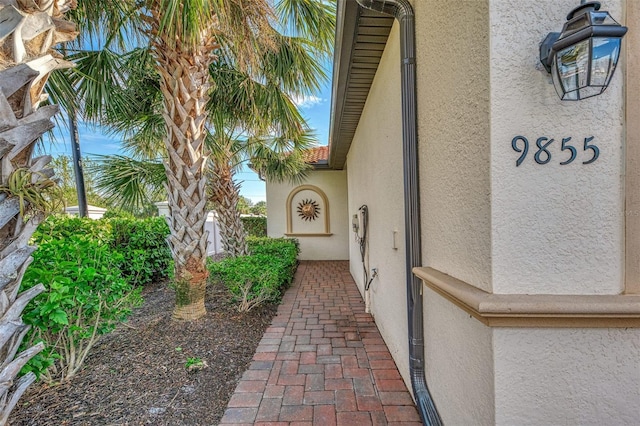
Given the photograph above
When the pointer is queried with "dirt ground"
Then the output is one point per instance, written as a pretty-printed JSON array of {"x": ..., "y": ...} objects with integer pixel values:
[{"x": 137, "y": 375}]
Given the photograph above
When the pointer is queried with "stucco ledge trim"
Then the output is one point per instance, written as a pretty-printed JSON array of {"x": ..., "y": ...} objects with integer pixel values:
[
  {"x": 297, "y": 234},
  {"x": 535, "y": 310}
]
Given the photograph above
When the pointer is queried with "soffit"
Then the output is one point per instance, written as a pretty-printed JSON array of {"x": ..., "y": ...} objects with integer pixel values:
[{"x": 361, "y": 36}]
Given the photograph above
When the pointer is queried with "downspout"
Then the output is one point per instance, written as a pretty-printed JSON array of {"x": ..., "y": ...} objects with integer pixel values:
[{"x": 403, "y": 12}]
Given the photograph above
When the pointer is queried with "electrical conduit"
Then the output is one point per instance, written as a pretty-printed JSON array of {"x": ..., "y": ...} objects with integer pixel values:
[{"x": 402, "y": 11}]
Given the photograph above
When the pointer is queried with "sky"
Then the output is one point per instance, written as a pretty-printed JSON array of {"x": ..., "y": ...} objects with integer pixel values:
[{"x": 315, "y": 109}]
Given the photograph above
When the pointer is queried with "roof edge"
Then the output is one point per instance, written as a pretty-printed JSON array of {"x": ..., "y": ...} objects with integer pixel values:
[{"x": 346, "y": 23}]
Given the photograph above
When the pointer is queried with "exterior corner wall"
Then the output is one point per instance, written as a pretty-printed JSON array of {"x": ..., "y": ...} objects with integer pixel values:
[
  {"x": 455, "y": 187},
  {"x": 630, "y": 65},
  {"x": 333, "y": 183},
  {"x": 454, "y": 134},
  {"x": 459, "y": 363}
]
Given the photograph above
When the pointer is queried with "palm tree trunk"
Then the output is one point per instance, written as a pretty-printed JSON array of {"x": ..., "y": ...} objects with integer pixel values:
[
  {"x": 184, "y": 83},
  {"x": 24, "y": 68},
  {"x": 225, "y": 194}
]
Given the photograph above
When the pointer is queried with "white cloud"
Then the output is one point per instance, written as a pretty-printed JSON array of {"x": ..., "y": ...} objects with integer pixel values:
[{"x": 306, "y": 101}]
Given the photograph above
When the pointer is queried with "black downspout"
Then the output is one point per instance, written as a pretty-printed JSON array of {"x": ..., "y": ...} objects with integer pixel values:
[{"x": 403, "y": 12}]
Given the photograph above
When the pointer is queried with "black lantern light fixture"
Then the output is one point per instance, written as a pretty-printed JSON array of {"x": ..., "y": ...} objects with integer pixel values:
[{"x": 583, "y": 57}]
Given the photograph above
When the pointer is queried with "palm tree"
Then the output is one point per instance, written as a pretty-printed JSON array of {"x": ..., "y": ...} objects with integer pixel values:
[
  {"x": 184, "y": 37},
  {"x": 27, "y": 32},
  {"x": 254, "y": 102},
  {"x": 241, "y": 106}
]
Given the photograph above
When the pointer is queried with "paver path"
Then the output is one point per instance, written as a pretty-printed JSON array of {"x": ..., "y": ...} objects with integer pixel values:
[{"x": 322, "y": 361}]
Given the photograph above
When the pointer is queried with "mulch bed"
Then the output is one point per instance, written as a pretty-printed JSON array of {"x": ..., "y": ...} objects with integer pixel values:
[{"x": 137, "y": 375}]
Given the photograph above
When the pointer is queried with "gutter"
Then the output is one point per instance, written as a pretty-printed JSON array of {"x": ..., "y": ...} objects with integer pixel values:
[{"x": 402, "y": 11}]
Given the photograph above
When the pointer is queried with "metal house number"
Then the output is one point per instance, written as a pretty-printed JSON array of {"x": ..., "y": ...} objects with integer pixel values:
[{"x": 542, "y": 154}]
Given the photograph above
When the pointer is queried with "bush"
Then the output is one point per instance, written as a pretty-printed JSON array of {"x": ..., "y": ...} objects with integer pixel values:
[
  {"x": 255, "y": 226},
  {"x": 59, "y": 227},
  {"x": 141, "y": 242},
  {"x": 260, "y": 277},
  {"x": 87, "y": 296},
  {"x": 143, "y": 245}
]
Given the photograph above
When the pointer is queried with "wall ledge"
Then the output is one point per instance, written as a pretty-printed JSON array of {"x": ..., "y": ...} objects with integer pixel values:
[
  {"x": 539, "y": 310},
  {"x": 299, "y": 234}
]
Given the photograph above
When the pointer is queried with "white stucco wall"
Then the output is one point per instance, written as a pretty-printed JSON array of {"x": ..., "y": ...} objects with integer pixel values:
[{"x": 333, "y": 183}]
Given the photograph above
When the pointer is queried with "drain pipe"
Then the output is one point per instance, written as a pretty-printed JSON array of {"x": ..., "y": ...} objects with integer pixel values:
[{"x": 403, "y": 12}]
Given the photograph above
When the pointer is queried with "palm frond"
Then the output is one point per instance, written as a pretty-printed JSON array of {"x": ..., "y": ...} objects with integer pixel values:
[
  {"x": 311, "y": 19},
  {"x": 126, "y": 182},
  {"x": 96, "y": 80}
]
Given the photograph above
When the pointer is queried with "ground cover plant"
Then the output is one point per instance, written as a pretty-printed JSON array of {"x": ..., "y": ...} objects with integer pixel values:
[{"x": 261, "y": 276}]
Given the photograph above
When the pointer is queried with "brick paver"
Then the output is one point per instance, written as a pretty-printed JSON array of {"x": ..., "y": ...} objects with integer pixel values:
[{"x": 322, "y": 361}]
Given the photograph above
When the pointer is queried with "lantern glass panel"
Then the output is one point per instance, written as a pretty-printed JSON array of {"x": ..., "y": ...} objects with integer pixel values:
[
  {"x": 587, "y": 92},
  {"x": 573, "y": 66},
  {"x": 602, "y": 18},
  {"x": 604, "y": 59}
]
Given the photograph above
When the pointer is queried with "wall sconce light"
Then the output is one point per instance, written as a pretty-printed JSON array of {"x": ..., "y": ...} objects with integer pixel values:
[{"x": 583, "y": 57}]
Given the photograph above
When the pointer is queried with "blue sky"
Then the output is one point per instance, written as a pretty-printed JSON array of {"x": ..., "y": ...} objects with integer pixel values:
[{"x": 315, "y": 108}]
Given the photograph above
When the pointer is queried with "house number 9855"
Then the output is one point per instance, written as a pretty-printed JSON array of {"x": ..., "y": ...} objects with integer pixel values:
[{"x": 542, "y": 147}]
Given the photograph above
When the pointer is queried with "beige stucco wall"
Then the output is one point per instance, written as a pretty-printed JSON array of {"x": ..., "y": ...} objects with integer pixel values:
[
  {"x": 453, "y": 130},
  {"x": 555, "y": 229},
  {"x": 454, "y": 137},
  {"x": 631, "y": 49},
  {"x": 567, "y": 376},
  {"x": 374, "y": 167},
  {"x": 375, "y": 179},
  {"x": 333, "y": 184},
  {"x": 545, "y": 229}
]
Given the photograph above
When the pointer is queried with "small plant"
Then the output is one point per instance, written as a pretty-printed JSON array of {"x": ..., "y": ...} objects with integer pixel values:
[
  {"x": 35, "y": 191},
  {"x": 194, "y": 363}
]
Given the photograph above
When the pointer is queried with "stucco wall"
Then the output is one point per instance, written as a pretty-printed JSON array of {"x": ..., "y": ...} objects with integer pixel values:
[
  {"x": 453, "y": 130},
  {"x": 547, "y": 229},
  {"x": 564, "y": 376},
  {"x": 375, "y": 179},
  {"x": 555, "y": 229},
  {"x": 459, "y": 363},
  {"x": 333, "y": 184},
  {"x": 374, "y": 167},
  {"x": 453, "y": 110}
]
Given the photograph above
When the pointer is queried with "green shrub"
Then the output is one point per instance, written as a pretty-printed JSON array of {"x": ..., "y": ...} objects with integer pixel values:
[
  {"x": 86, "y": 297},
  {"x": 59, "y": 227},
  {"x": 255, "y": 226},
  {"x": 143, "y": 245},
  {"x": 260, "y": 277},
  {"x": 141, "y": 242}
]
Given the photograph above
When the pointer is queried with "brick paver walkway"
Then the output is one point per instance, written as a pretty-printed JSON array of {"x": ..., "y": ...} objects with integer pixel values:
[{"x": 322, "y": 361}]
